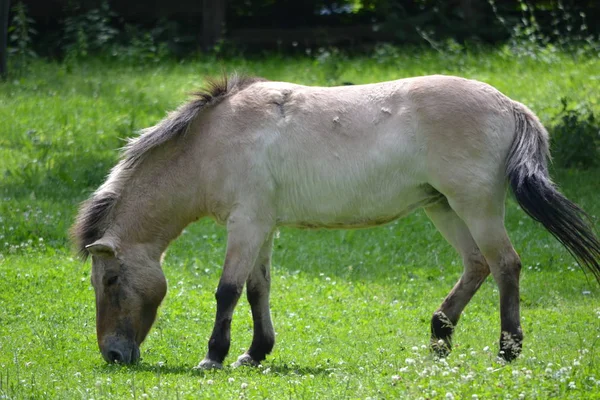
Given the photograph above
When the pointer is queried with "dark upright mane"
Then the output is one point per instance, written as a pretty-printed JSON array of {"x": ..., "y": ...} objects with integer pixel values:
[{"x": 91, "y": 220}]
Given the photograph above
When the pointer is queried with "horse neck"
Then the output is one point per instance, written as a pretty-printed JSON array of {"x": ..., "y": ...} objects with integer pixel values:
[{"x": 158, "y": 201}]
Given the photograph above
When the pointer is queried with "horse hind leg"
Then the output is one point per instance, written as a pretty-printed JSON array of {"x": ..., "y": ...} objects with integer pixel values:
[
  {"x": 258, "y": 288},
  {"x": 476, "y": 270},
  {"x": 484, "y": 216}
]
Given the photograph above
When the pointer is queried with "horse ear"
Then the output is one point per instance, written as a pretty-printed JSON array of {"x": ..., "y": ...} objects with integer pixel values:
[{"x": 101, "y": 248}]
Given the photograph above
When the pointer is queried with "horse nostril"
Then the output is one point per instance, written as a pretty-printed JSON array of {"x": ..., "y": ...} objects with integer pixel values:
[{"x": 115, "y": 356}]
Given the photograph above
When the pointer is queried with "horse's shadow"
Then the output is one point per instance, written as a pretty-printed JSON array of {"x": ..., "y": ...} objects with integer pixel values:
[{"x": 275, "y": 369}]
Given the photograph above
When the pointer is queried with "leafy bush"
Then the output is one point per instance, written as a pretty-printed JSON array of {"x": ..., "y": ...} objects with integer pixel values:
[
  {"x": 567, "y": 31},
  {"x": 90, "y": 31},
  {"x": 21, "y": 34},
  {"x": 142, "y": 46},
  {"x": 575, "y": 139}
]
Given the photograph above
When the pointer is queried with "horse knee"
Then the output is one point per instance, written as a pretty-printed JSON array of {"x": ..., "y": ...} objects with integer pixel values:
[
  {"x": 509, "y": 268},
  {"x": 227, "y": 295},
  {"x": 476, "y": 265}
]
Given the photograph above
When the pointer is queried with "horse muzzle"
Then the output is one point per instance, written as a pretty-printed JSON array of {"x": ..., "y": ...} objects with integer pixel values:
[{"x": 120, "y": 350}]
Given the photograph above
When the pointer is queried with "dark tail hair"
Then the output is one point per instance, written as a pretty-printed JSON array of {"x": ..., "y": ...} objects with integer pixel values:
[{"x": 527, "y": 171}]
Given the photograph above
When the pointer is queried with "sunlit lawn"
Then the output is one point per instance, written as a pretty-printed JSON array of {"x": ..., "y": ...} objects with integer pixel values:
[{"x": 351, "y": 308}]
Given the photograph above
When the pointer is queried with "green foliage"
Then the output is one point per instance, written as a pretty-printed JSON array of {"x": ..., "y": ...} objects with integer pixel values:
[
  {"x": 331, "y": 62},
  {"x": 567, "y": 31},
  {"x": 92, "y": 33},
  {"x": 576, "y": 138},
  {"x": 89, "y": 31},
  {"x": 142, "y": 47},
  {"x": 21, "y": 33}
]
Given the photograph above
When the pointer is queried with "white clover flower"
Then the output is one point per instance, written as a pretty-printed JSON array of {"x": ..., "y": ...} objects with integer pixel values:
[
  {"x": 244, "y": 385},
  {"x": 210, "y": 382},
  {"x": 449, "y": 396},
  {"x": 572, "y": 385},
  {"x": 486, "y": 348},
  {"x": 231, "y": 380}
]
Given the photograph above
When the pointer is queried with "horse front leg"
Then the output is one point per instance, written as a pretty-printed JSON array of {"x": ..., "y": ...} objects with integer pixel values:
[
  {"x": 246, "y": 236},
  {"x": 258, "y": 289}
]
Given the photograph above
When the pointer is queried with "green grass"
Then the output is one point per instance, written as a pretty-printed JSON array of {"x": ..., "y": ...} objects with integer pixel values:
[{"x": 351, "y": 308}]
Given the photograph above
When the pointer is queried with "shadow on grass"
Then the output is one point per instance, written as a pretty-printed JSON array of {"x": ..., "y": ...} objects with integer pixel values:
[
  {"x": 275, "y": 369},
  {"x": 144, "y": 367}
]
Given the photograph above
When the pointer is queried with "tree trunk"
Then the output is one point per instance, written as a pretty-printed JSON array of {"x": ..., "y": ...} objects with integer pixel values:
[
  {"x": 4, "y": 7},
  {"x": 213, "y": 22}
]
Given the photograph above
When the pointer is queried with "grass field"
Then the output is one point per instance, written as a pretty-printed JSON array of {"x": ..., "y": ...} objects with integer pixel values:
[{"x": 351, "y": 308}]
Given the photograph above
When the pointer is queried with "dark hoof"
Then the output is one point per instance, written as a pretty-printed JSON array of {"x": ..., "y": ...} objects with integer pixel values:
[
  {"x": 441, "y": 334},
  {"x": 208, "y": 364},
  {"x": 510, "y": 345},
  {"x": 245, "y": 360},
  {"x": 440, "y": 348}
]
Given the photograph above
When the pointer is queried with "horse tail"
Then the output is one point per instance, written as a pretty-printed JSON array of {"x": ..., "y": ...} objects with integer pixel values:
[{"x": 527, "y": 172}]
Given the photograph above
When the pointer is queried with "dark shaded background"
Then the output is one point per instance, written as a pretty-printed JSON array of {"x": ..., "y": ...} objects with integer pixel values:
[{"x": 287, "y": 24}]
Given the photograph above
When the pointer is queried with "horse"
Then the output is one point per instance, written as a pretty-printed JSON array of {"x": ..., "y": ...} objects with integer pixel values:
[{"x": 254, "y": 155}]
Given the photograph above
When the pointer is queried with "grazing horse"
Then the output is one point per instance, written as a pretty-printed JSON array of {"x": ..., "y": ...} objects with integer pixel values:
[{"x": 254, "y": 155}]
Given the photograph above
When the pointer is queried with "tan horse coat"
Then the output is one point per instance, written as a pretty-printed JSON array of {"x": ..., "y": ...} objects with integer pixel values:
[{"x": 255, "y": 155}]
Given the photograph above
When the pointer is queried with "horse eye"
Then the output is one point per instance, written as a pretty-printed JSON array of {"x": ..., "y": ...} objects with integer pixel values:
[{"x": 112, "y": 280}]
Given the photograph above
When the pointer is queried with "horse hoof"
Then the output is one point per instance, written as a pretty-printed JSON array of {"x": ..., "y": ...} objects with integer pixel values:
[
  {"x": 208, "y": 364},
  {"x": 510, "y": 345},
  {"x": 245, "y": 359},
  {"x": 440, "y": 348}
]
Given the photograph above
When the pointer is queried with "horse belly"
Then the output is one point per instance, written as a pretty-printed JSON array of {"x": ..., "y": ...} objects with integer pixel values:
[{"x": 350, "y": 201}]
